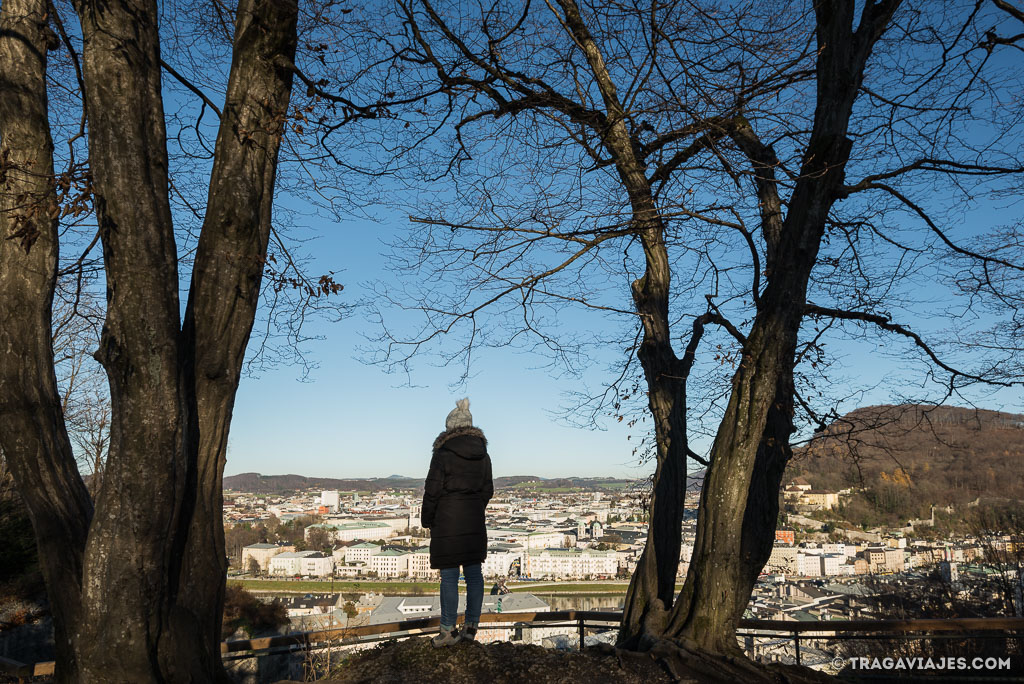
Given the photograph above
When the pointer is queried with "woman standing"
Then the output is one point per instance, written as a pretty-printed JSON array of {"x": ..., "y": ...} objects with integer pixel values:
[{"x": 455, "y": 495}]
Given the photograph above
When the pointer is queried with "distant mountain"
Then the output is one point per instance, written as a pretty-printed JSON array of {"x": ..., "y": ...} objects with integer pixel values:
[
  {"x": 512, "y": 480},
  {"x": 905, "y": 458},
  {"x": 695, "y": 479},
  {"x": 526, "y": 483},
  {"x": 256, "y": 483}
]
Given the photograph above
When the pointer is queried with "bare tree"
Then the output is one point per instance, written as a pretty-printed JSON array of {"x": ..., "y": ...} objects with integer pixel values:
[
  {"x": 702, "y": 155},
  {"x": 318, "y": 539},
  {"x": 150, "y": 560},
  {"x": 85, "y": 400}
]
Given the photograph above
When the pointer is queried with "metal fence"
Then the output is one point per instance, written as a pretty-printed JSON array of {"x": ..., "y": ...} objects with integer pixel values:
[{"x": 1010, "y": 629}]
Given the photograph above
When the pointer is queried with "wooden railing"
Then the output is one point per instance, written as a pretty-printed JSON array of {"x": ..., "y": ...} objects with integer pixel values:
[{"x": 581, "y": 619}]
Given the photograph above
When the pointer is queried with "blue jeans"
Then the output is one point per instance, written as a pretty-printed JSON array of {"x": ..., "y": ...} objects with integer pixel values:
[{"x": 450, "y": 594}]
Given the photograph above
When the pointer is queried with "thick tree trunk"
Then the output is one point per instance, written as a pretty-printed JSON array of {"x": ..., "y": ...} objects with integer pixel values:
[
  {"x": 140, "y": 591},
  {"x": 131, "y": 629},
  {"x": 762, "y": 513},
  {"x": 706, "y": 613},
  {"x": 226, "y": 279},
  {"x": 174, "y": 631},
  {"x": 33, "y": 436}
]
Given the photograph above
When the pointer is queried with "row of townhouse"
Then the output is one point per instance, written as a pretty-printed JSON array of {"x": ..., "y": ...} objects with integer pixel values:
[
  {"x": 356, "y": 529},
  {"x": 835, "y": 560},
  {"x": 503, "y": 560},
  {"x": 262, "y": 553},
  {"x": 367, "y": 557}
]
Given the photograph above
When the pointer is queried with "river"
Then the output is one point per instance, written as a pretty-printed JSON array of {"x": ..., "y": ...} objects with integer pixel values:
[{"x": 590, "y": 602}]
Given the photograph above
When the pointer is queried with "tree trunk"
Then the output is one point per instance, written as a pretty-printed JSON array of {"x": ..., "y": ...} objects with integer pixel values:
[
  {"x": 33, "y": 436},
  {"x": 137, "y": 596},
  {"x": 173, "y": 389},
  {"x": 653, "y": 584},
  {"x": 706, "y": 614},
  {"x": 130, "y": 629},
  {"x": 751, "y": 447},
  {"x": 762, "y": 512},
  {"x": 652, "y": 587},
  {"x": 226, "y": 279}
]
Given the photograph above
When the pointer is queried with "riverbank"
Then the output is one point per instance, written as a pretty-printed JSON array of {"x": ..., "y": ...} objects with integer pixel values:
[
  {"x": 283, "y": 586},
  {"x": 318, "y": 587}
]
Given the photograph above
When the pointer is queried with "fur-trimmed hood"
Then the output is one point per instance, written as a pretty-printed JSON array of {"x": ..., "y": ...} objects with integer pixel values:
[{"x": 460, "y": 432}]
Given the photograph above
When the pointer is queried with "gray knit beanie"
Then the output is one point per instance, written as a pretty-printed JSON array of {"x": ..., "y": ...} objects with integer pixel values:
[{"x": 459, "y": 416}]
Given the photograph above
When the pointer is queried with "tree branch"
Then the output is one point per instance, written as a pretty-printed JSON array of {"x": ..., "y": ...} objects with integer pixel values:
[
  {"x": 886, "y": 323},
  {"x": 928, "y": 164},
  {"x": 935, "y": 229},
  {"x": 191, "y": 86}
]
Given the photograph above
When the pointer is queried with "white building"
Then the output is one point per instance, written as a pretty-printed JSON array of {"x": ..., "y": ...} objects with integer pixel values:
[
  {"x": 830, "y": 563},
  {"x": 531, "y": 540},
  {"x": 835, "y": 547},
  {"x": 783, "y": 560},
  {"x": 571, "y": 563},
  {"x": 262, "y": 553},
  {"x": 808, "y": 565},
  {"x": 330, "y": 499},
  {"x": 361, "y": 553},
  {"x": 399, "y": 523},
  {"x": 419, "y": 564},
  {"x": 543, "y": 540},
  {"x": 500, "y": 560},
  {"x": 390, "y": 563},
  {"x": 351, "y": 531},
  {"x": 847, "y": 569},
  {"x": 303, "y": 563},
  {"x": 685, "y": 554}
]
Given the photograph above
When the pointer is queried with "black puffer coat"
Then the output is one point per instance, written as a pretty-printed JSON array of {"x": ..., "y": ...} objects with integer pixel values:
[{"x": 457, "y": 490}]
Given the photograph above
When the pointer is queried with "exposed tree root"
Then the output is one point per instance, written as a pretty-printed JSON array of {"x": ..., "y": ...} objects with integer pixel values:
[{"x": 686, "y": 663}]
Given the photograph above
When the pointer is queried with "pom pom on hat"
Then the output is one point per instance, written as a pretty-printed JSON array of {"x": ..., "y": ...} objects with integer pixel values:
[{"x": 459, "y": 416}]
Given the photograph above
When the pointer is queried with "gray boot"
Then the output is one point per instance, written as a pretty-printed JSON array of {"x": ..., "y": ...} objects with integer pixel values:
[
  {"x": 446, "y": 637},
  {"x": 468, "y": 632}
]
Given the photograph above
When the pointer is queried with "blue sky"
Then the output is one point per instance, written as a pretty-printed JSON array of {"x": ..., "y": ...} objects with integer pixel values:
[{"x": 348, "y": 418}]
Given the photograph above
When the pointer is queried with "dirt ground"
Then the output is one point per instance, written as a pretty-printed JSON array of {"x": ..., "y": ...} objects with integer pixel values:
[{"x": 415, "y": 660}]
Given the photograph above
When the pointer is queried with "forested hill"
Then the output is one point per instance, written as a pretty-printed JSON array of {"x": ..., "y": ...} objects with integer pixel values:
[
  {"x": 281, "y": 484},
  {"x": 908, "y": 457}
]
